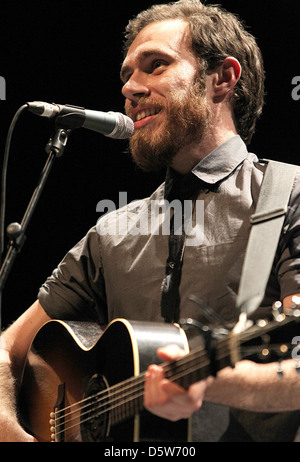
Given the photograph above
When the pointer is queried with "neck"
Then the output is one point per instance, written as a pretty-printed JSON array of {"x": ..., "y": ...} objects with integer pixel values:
[{"x": 189, "y": 156}]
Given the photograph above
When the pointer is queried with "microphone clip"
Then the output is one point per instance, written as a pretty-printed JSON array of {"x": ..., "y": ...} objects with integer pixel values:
[{"x": 58, "y": 141}]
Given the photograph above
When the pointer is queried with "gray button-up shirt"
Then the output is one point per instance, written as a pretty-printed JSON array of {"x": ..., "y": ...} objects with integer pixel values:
[{"x": 117, "y": 269}]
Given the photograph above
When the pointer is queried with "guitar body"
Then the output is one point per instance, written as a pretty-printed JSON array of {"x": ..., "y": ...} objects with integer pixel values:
[{"x": 73, "y": 365}]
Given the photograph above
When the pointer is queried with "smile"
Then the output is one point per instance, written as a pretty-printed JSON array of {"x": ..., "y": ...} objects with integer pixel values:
[{"x": 146, "y": 113}]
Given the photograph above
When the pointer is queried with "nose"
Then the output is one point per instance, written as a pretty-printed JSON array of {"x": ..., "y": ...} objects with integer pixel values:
[{"x": 135, "y": 88}]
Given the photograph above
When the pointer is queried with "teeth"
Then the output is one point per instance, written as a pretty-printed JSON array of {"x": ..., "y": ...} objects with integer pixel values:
[{"x": 146, "y": 113}]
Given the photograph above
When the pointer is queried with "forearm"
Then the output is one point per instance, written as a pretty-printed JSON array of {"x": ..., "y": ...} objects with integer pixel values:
[
  {"x": 15, "y": 342},
  {"x": 7, "y": 385},
  {"x": 10, "y": 430},
  {"x": 256, "y": 387}
]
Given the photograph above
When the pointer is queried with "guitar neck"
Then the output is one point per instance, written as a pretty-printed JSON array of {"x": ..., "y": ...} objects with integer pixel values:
[{"x": 199, "y": 364}]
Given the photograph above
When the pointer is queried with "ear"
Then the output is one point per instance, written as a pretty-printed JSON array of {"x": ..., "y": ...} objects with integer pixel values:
[{"x": 226, "y": 76}]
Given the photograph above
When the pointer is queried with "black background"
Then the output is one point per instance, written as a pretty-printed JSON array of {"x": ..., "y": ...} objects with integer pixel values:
[{"x": 69, "y": 52}]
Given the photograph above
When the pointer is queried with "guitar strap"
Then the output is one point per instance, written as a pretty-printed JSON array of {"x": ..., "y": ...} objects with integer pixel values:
[{"x": 267, "y": 223}]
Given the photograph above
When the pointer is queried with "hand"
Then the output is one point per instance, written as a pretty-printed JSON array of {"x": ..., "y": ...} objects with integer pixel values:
[{"x": 167, "y": 399}]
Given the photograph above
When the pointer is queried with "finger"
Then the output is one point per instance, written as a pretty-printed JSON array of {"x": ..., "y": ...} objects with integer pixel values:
[
  {"x": 192, "y": 398},
  {"x": 176, "y": 404},
  {"x": 170, "y": 352},
  {"x": 153, "y": 393}
]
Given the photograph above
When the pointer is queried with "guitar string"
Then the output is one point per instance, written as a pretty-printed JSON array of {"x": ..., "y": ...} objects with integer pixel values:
[
  {"x": 183, "y": 360},
  {"x": 111, "y": 401},
  {"x": 138, "y": 393},
  {"x": 94, "y": 416},
  {"x": 134, "y": 397},
  {"x": 91, "y": 400},
  {"x": 119, "y": 404},
  {"x": 118, "y": 387},
  {"x": 197, "y": 354},
  {"x": 115, "y": 388}
]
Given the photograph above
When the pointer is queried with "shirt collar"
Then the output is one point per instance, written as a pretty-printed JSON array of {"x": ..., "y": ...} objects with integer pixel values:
[
  {"x": 222, "y": 161},
  {"x": 215, "y": 167}
]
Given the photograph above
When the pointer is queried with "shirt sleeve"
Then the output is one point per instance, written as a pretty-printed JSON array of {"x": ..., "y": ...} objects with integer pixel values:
[
  {"x": 76, "y": 288},
  {"x": 288, "y": 254}
]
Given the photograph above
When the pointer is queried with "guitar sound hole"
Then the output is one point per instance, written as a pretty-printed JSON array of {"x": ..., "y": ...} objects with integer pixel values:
[{"x": 95, "y": 411}]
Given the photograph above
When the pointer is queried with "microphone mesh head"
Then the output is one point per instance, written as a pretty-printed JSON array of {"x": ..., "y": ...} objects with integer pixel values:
[{"x": 124, "y": 126}]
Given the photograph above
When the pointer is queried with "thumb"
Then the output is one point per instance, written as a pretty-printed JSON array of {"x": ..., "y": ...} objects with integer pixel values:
[{"x": 170, "y": 352}]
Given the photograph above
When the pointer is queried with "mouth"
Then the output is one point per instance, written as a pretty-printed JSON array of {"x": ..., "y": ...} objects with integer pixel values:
[{"x": 143, "y": 113}]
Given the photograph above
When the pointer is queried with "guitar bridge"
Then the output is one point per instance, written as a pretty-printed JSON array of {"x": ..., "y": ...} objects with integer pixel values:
[{"x": 57, "y": 423}]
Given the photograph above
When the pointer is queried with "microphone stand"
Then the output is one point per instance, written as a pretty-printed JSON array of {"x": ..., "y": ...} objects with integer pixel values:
[{"x": 15, "y": 231}]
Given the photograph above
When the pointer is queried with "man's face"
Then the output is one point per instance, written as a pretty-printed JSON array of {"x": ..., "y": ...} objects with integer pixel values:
[{"x": 164, "y": 95}]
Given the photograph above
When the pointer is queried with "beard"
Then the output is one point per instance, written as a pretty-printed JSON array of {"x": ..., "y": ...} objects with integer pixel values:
[{"x": 187, "y": 119}]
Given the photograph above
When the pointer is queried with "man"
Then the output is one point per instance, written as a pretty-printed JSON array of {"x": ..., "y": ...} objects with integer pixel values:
[{"x": 193, "y": 84}]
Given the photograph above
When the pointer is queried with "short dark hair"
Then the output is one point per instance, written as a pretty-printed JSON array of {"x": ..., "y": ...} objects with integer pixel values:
[{"x": 216, "y": 34}]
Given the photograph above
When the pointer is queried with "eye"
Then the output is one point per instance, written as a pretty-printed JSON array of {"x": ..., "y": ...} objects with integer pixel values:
[{"x": 157, "y": 64}]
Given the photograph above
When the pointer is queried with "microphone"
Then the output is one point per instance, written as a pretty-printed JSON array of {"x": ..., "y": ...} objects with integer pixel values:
[{"x": 111, "y": 124}]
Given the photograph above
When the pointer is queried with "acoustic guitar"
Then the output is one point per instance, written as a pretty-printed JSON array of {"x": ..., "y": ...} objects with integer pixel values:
[{"x": 84, "y": 384}]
